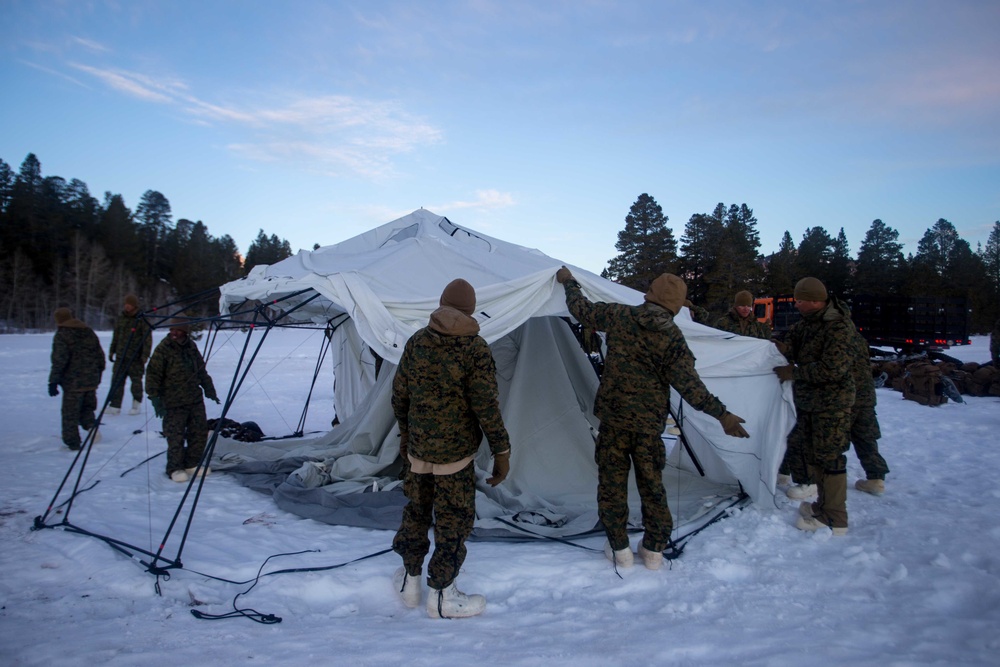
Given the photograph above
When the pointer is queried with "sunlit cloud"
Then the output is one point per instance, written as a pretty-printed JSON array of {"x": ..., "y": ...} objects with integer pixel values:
[
  {"x": 484, "y": 199},
  {"x": 330, "y": 133}
]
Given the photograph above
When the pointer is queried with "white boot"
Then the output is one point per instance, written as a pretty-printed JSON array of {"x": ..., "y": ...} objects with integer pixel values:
[
  {"x": 876, "y": 487},
  {"x": 621, "y": 558},
  {"x": 801, "y": 491},
  {"x": 812, "y": 524},
  {"x": 449, "y": 602},
  {"x": 179, "y": 476},
  {"x": 135, "y": 407},
  {"x": 408, "y": 587},
  {"x": 783, "y": 480},
  {"x": 652, "y": 559},
  {"x": 198, "y": 472},
  {"x": 113, "y": 411}
]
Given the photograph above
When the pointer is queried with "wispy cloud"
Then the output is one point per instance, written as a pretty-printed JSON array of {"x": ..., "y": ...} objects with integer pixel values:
[
  {"x": 484, "y": 199},
  {"x": 90, "y": 44},
  {"x": 331, "y": 133}
]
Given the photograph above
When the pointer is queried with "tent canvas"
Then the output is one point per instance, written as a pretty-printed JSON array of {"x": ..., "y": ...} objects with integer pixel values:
[{"x": 376, "y": 289}]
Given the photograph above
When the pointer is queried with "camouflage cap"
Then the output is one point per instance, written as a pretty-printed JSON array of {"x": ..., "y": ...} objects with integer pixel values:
[
  {"x": 668, "y": 291},
  {"x": 460, "y": 295}
]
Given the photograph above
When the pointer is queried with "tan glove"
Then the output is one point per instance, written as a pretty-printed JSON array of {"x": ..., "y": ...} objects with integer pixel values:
[
  {"x": 501, "y": 467},
  {"x": 731, "y": 425},
  {"x": 688, "y": 304},
  {"x": 563, "y": 274},
  {"x": 785, "y": 373}
]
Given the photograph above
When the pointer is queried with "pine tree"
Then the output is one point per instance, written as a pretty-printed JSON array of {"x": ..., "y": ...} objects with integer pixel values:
[
  {"x": 880, "y": 263},
  {"x": 780, "y": 275},
  {"x": 266, "y": 250},
  {"x": 646, "y": 246},
  {"x": 699, "y": 250},
  {"x": 737, "y": 265},
  {"x": 815, "y": 254}
]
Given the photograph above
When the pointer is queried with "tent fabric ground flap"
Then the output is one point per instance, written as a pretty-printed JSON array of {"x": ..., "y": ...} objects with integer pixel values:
[{"x": 381, "y": 286}]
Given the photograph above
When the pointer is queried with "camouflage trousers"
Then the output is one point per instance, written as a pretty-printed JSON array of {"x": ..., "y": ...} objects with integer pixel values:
[
  {"x": 185, "y": 423},
  {"x": 77, "y": 410},
  {"x": 616, "y": 452},
  {"x": 119, "y": 375},
  {"x": 865, "y": 435},
  {"x": 816, "y": 454},
  {"x": 449, "y": 503}
]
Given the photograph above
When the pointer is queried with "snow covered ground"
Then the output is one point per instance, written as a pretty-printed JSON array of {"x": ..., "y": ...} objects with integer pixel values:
[{"x": 915, "y": 582}]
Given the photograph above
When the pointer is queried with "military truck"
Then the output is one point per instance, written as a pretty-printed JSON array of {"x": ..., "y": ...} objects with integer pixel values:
[{"x": 906, "y": 324}]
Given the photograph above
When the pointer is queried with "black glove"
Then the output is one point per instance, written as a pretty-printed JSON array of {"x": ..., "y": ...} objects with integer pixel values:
[
  {"x": 563, "y": 274},
  {"x": 501, "y": 467},
  {"x": 111, "y": 356},
  {"x": 214, "y": 398},
  {"x": 157, "y": 406},
  {"x": 785, "y": 373},
  {"x": 404, "y": 446},
  {"x": 731, "y": 425},
  {"x": 782, "y": 347},
  {"x": 53, "y": 389}
]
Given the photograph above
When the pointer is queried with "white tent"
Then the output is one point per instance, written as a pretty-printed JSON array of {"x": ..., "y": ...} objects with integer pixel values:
[{"x": 378, "y": 288}]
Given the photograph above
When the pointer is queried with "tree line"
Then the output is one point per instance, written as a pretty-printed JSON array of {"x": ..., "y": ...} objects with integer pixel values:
[
  {"x": 718, "y": 254},
  {"x": 60, "y": 246}
]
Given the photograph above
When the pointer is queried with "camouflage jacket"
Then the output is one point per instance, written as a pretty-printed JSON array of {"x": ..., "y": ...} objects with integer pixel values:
[
  {"x": 77, "y": 357},
  {"x": 132, "y": 338},
  {"x": 861, "y": 370},
  {"x": 744, "y": 326},
  {"x": 647, "y": 355},
  {"x": 444, "y": 394},
  {"x": 700, "y": 315},
  {"x": 822, "y": 347},
  {"x": 176, "y": 373}
]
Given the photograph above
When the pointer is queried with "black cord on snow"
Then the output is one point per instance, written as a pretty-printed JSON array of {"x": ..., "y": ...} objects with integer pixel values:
[{"x": 268, "y": 619}]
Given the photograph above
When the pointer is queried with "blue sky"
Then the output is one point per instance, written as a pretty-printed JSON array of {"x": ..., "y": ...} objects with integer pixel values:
[{"x": 538, "y": 122}]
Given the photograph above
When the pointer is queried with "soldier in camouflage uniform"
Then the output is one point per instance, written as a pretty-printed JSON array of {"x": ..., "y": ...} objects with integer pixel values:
[
  {"x": 740, "y": 319},
  {"x": 647, "y": 355},
  {"x": 865, "y": 431},
  {"x": 820, "y": 348},
  {"x": 175, "y": 378},
  {"x": 77, "y": 365},
  {"x": 444, "y": 396},
  {"x": 131, "y": 344}
]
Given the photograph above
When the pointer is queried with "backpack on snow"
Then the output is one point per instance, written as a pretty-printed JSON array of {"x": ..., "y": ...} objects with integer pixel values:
[{"x": 922, "y": 383}]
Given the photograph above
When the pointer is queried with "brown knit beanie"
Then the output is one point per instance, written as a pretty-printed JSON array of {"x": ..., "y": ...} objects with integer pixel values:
[
  {"x": 132, "y": 300},
  {"x": 668, "y": 291},
  {"x": 63, "y": 315},
  {"x": 460, "y": 295},
  {"x": 180, "y": 324},
  {"x": 743, "y": 298},
  {"x": 810, "y": 289}
]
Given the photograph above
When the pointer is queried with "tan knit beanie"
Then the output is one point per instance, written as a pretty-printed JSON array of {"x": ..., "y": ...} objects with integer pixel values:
[
  {"x": 810, "y": 289},
  {"x": 63, "y": 315},
  {"x": 460, "y": 295},
  {"x": 182, "y": 325},
  {"x": 132, "y": 300},
  {"x": 668, "y": 291},
  {"x": 743, "y": 298}
]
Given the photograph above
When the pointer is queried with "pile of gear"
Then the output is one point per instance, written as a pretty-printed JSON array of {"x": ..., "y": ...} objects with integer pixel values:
[
  {"x": 234, "y": 430},
  {"x": 931, "y": 382}
]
